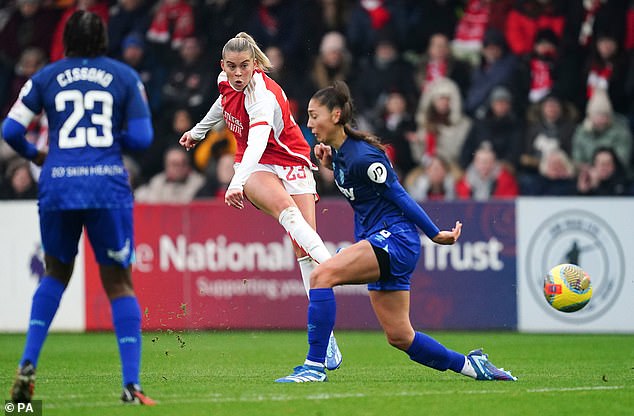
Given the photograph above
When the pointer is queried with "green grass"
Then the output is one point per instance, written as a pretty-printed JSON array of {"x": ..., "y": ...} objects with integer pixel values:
[{"x": 232, "y": 373}]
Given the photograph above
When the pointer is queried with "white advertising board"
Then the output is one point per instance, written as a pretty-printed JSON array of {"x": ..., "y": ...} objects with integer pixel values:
[
  {"x": 595, "y": 233},
  {"x": 21, "y": 266}
]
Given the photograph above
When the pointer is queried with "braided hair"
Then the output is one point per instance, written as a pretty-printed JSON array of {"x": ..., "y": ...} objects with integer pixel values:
[{"x": 85, "y": 35}]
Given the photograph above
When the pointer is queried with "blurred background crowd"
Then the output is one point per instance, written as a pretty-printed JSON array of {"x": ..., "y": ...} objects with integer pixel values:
[{"x": 476, "y": 99}]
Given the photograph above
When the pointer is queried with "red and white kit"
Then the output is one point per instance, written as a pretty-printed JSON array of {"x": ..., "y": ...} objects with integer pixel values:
[{"x": 261, "y": 103}]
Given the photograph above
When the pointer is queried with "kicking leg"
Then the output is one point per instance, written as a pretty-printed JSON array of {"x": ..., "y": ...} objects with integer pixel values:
[{"x": 266, "y": 191}]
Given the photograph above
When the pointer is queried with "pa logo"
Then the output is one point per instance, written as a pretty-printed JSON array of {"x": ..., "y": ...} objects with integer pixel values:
[{"x": 581, "y": 238}]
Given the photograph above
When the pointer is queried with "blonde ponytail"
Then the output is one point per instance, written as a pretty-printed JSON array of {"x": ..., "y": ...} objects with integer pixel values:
[{"x": 244, "y": 42}]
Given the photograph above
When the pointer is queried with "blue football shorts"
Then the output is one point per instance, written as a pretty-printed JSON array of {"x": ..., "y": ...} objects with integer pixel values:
[
  {"x": 402, "y": 244},
  {"x": 110, "y": 232}
]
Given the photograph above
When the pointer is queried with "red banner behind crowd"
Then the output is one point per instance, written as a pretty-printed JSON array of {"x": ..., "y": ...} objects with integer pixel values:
[{"x": 206, "y": 265}]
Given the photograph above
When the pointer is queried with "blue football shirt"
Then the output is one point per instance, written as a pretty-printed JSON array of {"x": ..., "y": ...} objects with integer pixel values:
[
  {"x": 88, "y": 102},
  {"x": 363, "y": 173}
]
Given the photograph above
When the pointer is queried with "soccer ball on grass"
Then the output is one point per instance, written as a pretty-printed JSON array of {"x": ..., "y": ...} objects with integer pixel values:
[{"x": 567, "y": 288}]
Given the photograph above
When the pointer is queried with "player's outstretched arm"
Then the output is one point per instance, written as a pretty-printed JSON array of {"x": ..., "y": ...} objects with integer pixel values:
[
  {"x": 448, "y": 237},
  {"x": 214, "y": 116}
]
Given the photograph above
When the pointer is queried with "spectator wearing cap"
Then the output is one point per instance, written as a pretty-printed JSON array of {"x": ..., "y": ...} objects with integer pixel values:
[
  {"x": 134, "y": 53},
  {"x": 602, "y": 127},
  {"x": 126, "y": 17},
  {"x": 499, "y": 127},
  {"x": 497, "y": 67}
]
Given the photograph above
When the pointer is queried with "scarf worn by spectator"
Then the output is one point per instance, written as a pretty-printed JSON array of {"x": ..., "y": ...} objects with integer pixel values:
[
  {"x": 473, "y": 24},
  {"x": 379, "y": 15},
  {"x": 587, "y": 26},
  {"x": 541, "y": 79},
  {"x": 173, "y": 22}
]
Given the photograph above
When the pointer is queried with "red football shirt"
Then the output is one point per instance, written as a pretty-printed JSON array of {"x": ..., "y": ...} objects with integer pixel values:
[{"x": 263, "y": 102}]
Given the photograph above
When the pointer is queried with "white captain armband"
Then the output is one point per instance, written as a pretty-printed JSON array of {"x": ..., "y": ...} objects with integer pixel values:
[
  {"x": 377, "y": 172},
  {"x": 21, "y": 113}
]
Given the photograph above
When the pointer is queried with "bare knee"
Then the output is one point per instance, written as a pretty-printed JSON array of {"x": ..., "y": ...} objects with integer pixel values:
[
  {"x": 116, "y": 281},
  {"x": 58, "y": 270},
  {"x": 400, "y": 339},
  {"x": 323, "y": 277}
]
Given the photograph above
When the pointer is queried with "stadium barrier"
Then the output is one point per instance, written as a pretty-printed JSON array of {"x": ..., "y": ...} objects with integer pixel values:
[{"x": 204, "y": 265}]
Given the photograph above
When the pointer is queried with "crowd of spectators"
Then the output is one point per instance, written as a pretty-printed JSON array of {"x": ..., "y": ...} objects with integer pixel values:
[{"x": 475, "y": 99}]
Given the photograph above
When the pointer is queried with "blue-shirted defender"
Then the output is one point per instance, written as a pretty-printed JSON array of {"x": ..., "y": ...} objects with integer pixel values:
[
  {"x": 95, "y": 107},
  {"x": 386, "y": 251}
]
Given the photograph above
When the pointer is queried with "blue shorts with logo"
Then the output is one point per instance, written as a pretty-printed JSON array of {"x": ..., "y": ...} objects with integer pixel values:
[
  {"x": 110, "y": 232},
  {"x": 402, "y": 244}
]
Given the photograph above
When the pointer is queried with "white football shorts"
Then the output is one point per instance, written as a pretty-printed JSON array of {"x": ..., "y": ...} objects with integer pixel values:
[{"x": 297, "y": 180}]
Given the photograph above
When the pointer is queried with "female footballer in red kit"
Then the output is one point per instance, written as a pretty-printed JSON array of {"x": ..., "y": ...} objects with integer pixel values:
[{"x": 273, "y": 166}]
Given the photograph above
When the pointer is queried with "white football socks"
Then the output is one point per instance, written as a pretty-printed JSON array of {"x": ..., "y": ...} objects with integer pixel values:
[
  {"x": 304, "y": 235},
  {"x": 468, "y": 369},
  {"x": 306, "y": 266},
  {"x": 314, "y": 364}
]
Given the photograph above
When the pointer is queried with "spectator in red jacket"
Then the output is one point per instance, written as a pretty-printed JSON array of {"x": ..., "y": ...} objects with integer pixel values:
[
  {"x": 98, "y": 7},
  {"x": 529, "y": 17},
  {"x": 486, "y": 178}
]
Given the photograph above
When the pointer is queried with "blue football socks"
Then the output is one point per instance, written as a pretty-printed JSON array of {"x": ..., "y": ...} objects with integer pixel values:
[
  {"x": 126, "y": 317},
  {"x": 322, "y": 310},
  {"x": 429, "y": 352},
  {"x": 45, "y": 303}
]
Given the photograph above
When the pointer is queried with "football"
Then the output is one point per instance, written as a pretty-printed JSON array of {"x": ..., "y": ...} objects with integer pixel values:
[{"x": 567, "y": 288}]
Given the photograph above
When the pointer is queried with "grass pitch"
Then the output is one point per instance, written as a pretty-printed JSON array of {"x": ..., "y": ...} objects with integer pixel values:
[{"x": 232, "y": 373}]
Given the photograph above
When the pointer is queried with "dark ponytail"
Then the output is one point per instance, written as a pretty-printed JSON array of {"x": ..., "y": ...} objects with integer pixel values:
[{"x": 338, "y": 96}]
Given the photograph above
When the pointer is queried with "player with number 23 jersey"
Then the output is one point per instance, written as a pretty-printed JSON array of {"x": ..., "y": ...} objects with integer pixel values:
[{"x": 87, "y": 101}]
